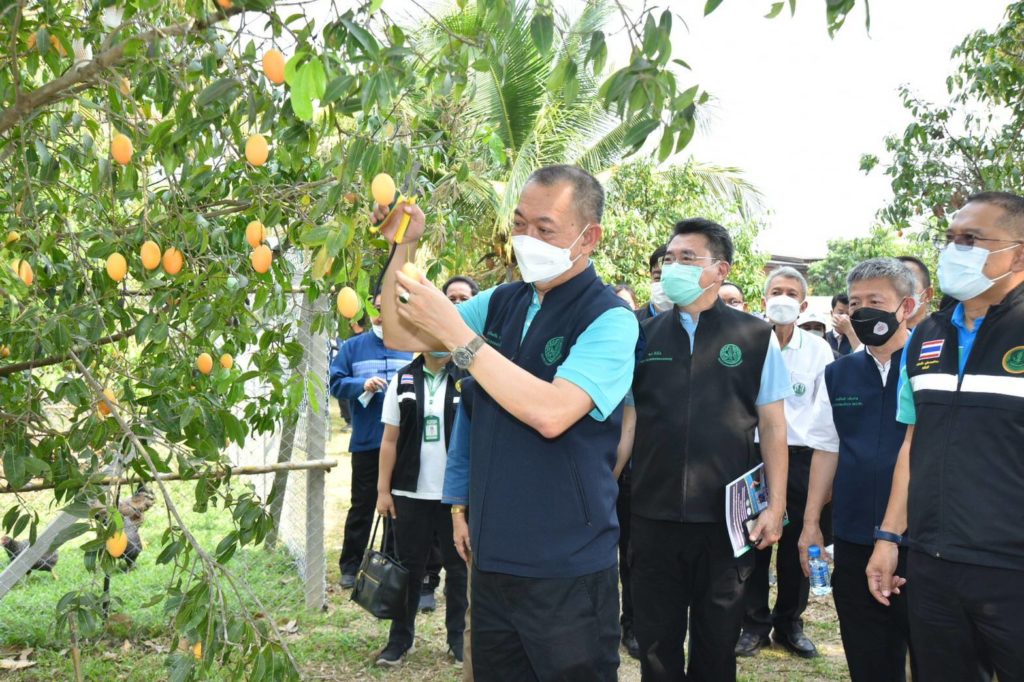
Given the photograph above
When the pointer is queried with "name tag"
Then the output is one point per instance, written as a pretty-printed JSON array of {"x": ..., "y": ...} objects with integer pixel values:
[{"x": 431, "y": 429}]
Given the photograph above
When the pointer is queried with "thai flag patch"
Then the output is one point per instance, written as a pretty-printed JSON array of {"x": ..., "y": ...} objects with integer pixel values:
[
  {"x": 931, "y": 350},
  {"x": 406, "y": 379}
]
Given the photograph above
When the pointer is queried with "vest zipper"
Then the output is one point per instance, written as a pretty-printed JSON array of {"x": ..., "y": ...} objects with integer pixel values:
[{"x": 578, "y": 482}]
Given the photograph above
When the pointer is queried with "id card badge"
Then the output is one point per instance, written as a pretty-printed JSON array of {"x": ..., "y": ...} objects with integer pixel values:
[{"x": 431, "y": 429}]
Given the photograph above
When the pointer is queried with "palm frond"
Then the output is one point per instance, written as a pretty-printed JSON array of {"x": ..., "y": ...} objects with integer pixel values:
[{"x": 727, "y": 184}]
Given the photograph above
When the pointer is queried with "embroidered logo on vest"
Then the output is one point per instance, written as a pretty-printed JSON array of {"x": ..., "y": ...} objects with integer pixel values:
[
  {"x": 730, "y": 355},
  {"x": 1013, "y": 361},
  {"x": 553, "y": 350},
  {"x": 799, "y": 389}
]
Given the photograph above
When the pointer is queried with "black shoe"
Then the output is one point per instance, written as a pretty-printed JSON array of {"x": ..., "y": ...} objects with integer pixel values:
[
  {"x": 348, "y": 581},
  {"x": 427, "y": 602},
  {"x": 455, "y": 653},
  {"x": 750, "y": 644},
  {"x": 797, "y": 643},
  {"x": 629, "y": 641},
  {"x": 393, "y": 655}
]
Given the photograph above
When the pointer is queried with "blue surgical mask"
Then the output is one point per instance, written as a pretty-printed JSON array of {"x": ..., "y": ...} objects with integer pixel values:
[
  {"x": 681, "y": 283},
  {"x": 961, "y": 271},
  {"x": 439, "y": 354}
]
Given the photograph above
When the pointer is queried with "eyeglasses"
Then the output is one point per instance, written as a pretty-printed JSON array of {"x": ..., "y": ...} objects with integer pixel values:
[
  {"x": 686, "y": 259},
  {"x": 964, "y": 242}
]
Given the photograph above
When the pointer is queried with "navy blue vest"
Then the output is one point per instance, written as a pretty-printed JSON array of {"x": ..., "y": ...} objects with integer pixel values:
[
  {"x": 543, "y": 508},
  {"x": 864, "y": 413}
]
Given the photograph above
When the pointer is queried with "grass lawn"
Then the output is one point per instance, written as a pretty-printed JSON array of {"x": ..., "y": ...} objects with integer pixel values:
[{"x": 337, "y": 644}]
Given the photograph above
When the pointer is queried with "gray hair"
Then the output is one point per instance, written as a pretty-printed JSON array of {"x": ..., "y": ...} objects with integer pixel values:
[
  {"x": 785, "y": 271},
  {"x": 898, "y": 274},
  {"x": 587, "y": 192}
]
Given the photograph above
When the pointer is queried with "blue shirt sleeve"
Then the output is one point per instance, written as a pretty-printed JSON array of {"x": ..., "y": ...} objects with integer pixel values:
[
  {"x": 343, "y": 385},
  {"x": 906, "y": 411},
  {"x": 775, "y": 381},
  {"x": 456, "y": 469},
  {"x": 474, "y": 311},
  {"x": 601, "y": 361}
]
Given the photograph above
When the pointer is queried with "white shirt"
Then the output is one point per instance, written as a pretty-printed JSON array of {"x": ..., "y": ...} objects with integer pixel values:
[
  {"x": 433, "y": 455},
  {"x": 806, "y": 357},
  {"x": 822, "y": 434}
]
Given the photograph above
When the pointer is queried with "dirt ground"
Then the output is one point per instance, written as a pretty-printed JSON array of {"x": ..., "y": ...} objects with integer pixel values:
[{"x": 363, "y": 637}]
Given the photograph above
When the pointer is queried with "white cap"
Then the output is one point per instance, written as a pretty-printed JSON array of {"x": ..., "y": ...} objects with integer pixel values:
[{"x": 809, "y": 317}]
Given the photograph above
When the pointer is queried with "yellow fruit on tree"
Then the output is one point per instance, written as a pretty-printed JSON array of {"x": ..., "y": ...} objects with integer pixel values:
[
  {"x": 225, "y": 4},
  {"x": 117, "y": 267},
  {"x": 411, "y": 271},
  {"x": 150, "y": 253},
  {"x": 121, "y": 149},
  {"x": 226, "y": 361},
  {"x": 57, "y": 45},
  {"x": 173, "y": 261},
  {"x": 256, "y": 150},
  {"x": 348, "y": 302},
  {"x": 255, "y": 233},
  {"x": 102, "y": 407},
  {"x": 273, "y": 66},
  {"x": 12, "y": 237},
  {"x": 24, "y": 270},
  {"x": 260, "y": 258},
  {"x": 117, "y": 544},
  {"x": 197, "y": 648},
  {"x": 204, "y": 363},
  {"x": 5, "y": 351},
  {"x": 32, "y": 41},
  {"x": 125, "y": 86},
  {"x": 383, "y": 189}
]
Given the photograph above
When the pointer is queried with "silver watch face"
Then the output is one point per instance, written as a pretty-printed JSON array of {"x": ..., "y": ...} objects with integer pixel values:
[{"x": 462, "y": 357}]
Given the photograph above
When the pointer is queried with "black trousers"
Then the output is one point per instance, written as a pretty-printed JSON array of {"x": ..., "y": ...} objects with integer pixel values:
[
  {"x": 875, "y": 637},
  {"x": 365, "y": 466},
  {"x": 622, "y": 509},
  {"x": 793, "y": 586},
  {"x": 686, "y": 571},
  {"x": 965, "y": 620},
  {"x": 435, "y": 562},
  {"x": 416, "y": 522},
  {"x": 545, "y": 629}
]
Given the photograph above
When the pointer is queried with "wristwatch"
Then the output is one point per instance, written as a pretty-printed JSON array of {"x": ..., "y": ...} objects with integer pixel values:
[
  {"x": 894, "y": 538},
  {"x": 463, "y": 355},
  {"x": 458, "y": 509}
]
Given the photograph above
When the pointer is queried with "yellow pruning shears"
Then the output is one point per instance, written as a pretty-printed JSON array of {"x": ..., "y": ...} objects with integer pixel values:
[{"x": 407, "y": 195}]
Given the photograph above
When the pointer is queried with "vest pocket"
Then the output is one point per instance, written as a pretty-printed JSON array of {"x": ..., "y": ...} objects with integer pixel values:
[{"x": 578, "y": 483}]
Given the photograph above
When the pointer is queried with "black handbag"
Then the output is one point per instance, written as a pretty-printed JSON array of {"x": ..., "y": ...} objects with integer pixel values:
[{"x": 382, "y": 583}]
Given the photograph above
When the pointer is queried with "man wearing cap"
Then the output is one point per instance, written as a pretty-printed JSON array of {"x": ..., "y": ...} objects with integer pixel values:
[{"x": 806, "y": 357}]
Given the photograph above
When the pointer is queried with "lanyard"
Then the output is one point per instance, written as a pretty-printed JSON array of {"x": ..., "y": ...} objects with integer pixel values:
[{"x": 431, "y": 386}]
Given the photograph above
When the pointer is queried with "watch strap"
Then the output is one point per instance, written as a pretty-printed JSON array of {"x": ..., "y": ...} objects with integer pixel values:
[{"x": 894, "y": 538}]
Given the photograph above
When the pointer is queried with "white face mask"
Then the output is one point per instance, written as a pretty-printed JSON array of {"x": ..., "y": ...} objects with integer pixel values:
[
  {"x": 961, "y": 271},
  {"x": 917, "y": 304},
  {"x": 542, "y": 262},
  {"x": 782, "y": 309},
  {"x": 659, "y": 299},
  {"x": 378, "y": 331},
  {"x": 816, "y": 332}
]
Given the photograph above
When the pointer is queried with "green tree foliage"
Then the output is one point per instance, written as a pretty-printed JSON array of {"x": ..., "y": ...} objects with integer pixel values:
[
  {"x": 971, "y": 143},
  {"x": 645, "y": 201},
  {"x": 827, "y": 277}
]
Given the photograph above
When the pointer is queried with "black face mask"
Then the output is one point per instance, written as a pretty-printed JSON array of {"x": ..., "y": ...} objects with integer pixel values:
[{"x": 873, "y": 326}]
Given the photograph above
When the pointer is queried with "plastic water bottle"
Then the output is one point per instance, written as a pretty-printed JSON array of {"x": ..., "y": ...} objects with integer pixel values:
[{"x": 820, "y": 585}]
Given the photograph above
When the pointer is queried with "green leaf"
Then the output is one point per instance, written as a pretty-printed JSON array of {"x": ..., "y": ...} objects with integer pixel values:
[
  {"x": 375, "y": 5},
  {"x": 775, "y": 10},
  {"x": 542, "y": 30},
  {"x": 223, "y": 92},
  {"x": 637, "y": 135},
  {"x": 710, "y": 6},
  {"x": 308, "y": 84}
]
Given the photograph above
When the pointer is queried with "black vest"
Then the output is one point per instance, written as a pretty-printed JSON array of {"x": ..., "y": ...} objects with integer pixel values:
[
  {"x": 543, "y": 508},
  {"x": 695, "y": 415},
  {"x": 966, "y": 500},
  {"x": 410, "y": 425},
  {"x": 864, "y": 414}
]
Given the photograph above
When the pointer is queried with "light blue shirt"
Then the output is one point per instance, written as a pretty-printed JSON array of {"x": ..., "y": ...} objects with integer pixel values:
[
  {"x": 906, "y": 411},
  {"x": 595, "y": 363},
  {"x": 456, "y": 468}
]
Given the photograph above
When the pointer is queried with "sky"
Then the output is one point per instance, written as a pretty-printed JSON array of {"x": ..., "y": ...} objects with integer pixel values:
[{"x": 795, "y": 109}]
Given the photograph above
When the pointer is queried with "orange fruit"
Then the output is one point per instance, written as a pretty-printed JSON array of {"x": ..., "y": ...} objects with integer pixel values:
[
  {"x": 260, "y": 258},
  {"x": 150, "y": 253},
  {"x": 12, "y": 237},
  {"x": 411, "y": 271},
  {"x": 32, "y": 41},
  {"x": 204, "y": 363},
  {"x": 173, "y": 261},
  {"x": 383, "y": 189},
  {"x": 256, "y": 150},
  {"x": 351, "y": 197},
  {"x": 117, "y": 267},
  {"x": 197, "y": 648},
  {"x": 5, "y": 351},
  {"x": 226, "y": 361},
  {"x": 117, "y": 544},
  {"x": 121, "y": 149},
  {"x": 255, "y": 233},
  {"x": 57, "y": 45},
  {"x": 225, "y": 4},
  {"x": 348, "y": 302},
  {"x": 273, "y": 66},
  {"x": 102, "y": 407},
  {"x": 24, "y": 270},
  {"x": 125, "y": 86}
]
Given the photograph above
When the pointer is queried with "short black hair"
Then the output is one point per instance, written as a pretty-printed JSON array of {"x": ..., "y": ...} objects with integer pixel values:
[
  {"x": 587, "y": 192},
  {"x": 914, "y": 260},
  {"x": 466, "y": 279},
  {"x": 655, "y": 259},
  {"x": 719, "y": 241},
  {"x": 1012, "y": 204},
  {"x": 840, "y": 298},
  {"x": 727, "y": 283}
]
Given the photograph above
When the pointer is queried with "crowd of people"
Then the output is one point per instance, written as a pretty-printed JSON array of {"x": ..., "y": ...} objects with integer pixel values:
[{"x": 554, "y": 444}]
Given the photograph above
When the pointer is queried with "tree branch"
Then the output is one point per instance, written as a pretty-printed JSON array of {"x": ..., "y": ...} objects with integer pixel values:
[{"x": 57, "y": 359}]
